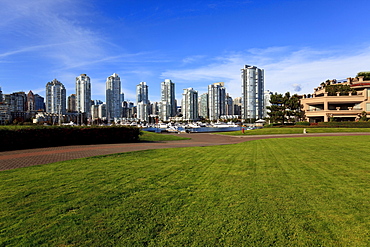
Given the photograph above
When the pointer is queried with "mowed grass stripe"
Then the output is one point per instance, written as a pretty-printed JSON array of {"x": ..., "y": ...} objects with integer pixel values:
[
  {"x": 323, "y": 182},
  {"x": 283, "y": 192}
]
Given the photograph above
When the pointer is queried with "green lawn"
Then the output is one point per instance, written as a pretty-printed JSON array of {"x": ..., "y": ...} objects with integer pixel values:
[
  {"x": 156, "y": 137},
  {"x": 274, "y": 131},
  {"x": 275, "y": 192}
]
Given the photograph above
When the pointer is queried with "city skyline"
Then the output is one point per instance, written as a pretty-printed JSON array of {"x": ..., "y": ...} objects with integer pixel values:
[{"x": 298, "y": 43}]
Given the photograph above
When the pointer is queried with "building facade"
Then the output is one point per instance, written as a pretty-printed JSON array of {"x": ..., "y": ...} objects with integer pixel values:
[
  {"x": 237, "y": 106},
  {"x": 55, "y": 96},
  {"x": 35, "y": 102},
  {"x": 189, "y": 105},
  {"x": 83, "y": 95},
  {"x": 72, "y": 103},
  {"x": 328, "y": 102},
  {"x": 203, "y": 106},
  {"x": 229, "y": 104},
  {"x": 216, "y": 101},
  {"x": 252, "y": 92},
  {"x": 142, "y": 101},
  {"x": 267, "y": 103},
  {"x": 5, "y": 116},
  {"x": 18, "y": 102},
  {"x": 168, "y": 107},
  {"x": 113, "y": 98}
]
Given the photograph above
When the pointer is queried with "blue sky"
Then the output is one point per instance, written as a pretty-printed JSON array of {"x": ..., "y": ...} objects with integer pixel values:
[{"x": 299, "y": 43}]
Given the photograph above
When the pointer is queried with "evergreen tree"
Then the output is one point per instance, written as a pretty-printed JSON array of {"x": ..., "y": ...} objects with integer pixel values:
[{"x": 285, "y": 108}]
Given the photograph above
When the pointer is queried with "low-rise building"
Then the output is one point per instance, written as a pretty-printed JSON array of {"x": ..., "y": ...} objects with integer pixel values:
[{"x": 343, "y": 101}]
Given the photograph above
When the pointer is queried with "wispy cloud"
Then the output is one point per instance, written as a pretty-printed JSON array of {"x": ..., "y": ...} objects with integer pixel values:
[
  {"x": 286, "y": 69},
  {"x": 48, "y": 31},
  {"x": 192, "y": 59},
  {"x": 32, "y": 48}
]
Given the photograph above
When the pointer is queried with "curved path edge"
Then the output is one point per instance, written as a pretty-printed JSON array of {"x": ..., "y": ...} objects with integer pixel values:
[{"x": 29, "y": 157}]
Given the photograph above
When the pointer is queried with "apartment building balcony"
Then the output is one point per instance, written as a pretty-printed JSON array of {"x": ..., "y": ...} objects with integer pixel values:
[
  {"x": 322, "y": 107},
  {"x": 320, "y": 115}
]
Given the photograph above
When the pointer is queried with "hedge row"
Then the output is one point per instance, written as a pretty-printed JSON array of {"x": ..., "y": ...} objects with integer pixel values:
[
  {"x": 347, "y": 124},
  {"x": 324, "y": 125},
  {"x": 47, "y": 136}
]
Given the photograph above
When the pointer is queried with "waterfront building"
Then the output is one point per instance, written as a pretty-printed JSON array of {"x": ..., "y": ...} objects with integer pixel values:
[
  {"x": 18, "y": 102},
  {"x": 237, "y": 106},
  {"x": 142, "y": 101},
  {"x": 142, "y": 111},
  {"x": 216, "y": 101},
  {"x": 122, "y": 97},
  {"x": 113, "y": 98},
  {"x": 128, "y": 109},
  {"x": 154, "y": 108},
  {"x": 72, "y": 103},
  {"x": 252, "y": 92},
  {"x": 83, "y": 94},
  {"x": 5, "y": 116},
  {"x": 55, "y": 97},
  {"x": 346, "y": 100},
  {"x": 39, "y": 102},
  {"x": 203, "y": 105},
  {"x": 102, "y": 111},
  {"x": 35, "y": 102},
  {"x": 31, "y": 104},
  {"x": 168, "y": 106},
  {"x": 94, "y": 113},
  {"x": 267, "y": 103},
  {"x": 229, "y": 104},
  {"x": 189, "y": 106}
]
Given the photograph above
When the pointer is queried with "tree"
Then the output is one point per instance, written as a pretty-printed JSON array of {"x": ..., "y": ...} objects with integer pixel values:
[
  {"x": 293, "y": 107},
  {"x": 285, "y": 108},
  {"x": 276, "y": 108},
  {"x": 365, "y": 74},
  {"x": 363, "y": 116},
  {"x": 342, "y": 89}
]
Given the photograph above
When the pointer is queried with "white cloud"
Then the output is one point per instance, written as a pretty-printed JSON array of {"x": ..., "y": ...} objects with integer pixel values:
[
  {"x": 192, "y": 59},
  {"x": 51, "y": 29},
  {"x": 285, "y": 69}
]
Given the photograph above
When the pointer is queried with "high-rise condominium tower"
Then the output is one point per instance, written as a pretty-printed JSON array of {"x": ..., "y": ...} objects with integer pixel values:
[
  {"x": 237, "y": 106},
  {"x": 113, "y": 97},
  {"x": 1, "y": 95},
  {"x": 142, "y": 101},
  {"x": 252, "y": 92},
  {"x": 18, "y": 102},
  {"x": 229, "y": 104},
  {"x": 189, "y": 104},
  {"x": 83, "y": 94},
  {"x": 71, "y": 102},
  {"x": 55, "y": 97},
  {"x": 267, "y": 103},
  {"x": 216, "y": 100},
  {"x": 203, "y": 105},
  {"x": 168, "y": 103}
]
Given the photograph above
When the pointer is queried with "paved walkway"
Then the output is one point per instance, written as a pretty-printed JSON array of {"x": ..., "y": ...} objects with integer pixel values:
[{"x": 30, "y": 157}]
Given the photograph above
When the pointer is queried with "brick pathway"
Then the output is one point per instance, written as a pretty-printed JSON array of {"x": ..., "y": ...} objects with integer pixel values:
[{"x": 30, "y": 157}]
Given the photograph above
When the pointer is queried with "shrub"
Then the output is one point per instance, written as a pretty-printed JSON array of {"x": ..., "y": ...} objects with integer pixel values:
[
  {"x": 303, "y": 123},
  {"x": 349, "y": 124},
  {"x": 49, "y": 136}
]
